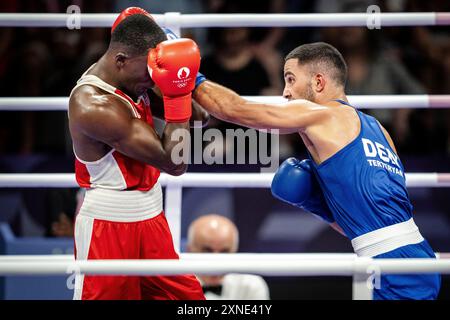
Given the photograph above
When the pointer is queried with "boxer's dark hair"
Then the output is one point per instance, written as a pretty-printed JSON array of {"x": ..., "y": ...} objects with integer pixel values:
[
  {"x": 321, "y": 53},
  {"x": 138, "y": 33}
]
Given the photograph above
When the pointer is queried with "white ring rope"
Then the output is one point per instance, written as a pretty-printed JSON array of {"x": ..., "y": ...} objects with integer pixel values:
[
  {"x": 268, "y": 267},
  {"x": 201, "y": 256},
  {"x": 213, "y": 256},
  {"x": 360, "y": 101},
  {"x": 198, "y": 180},
  {"x": 233, "y": 20}
]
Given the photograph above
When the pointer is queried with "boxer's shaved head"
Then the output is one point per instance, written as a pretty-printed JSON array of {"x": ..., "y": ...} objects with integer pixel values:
[
  {"x": 321, "y": 57},
  {"x": 213, "y": 233},
  {"x": 315, "y": 72},
  {"x": 137, "y": 33},
  {"x": 130, "y": 42}
]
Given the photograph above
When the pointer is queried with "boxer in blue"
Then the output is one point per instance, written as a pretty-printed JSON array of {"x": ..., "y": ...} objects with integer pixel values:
[{"x": 354, "y": 178}]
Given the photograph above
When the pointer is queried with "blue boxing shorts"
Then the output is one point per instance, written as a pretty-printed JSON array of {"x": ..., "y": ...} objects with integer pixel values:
[{"x": 411, "y": 286}]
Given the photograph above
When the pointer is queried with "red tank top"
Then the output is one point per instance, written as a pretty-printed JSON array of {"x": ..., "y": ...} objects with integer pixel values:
[{"x": 115, "y": 170}]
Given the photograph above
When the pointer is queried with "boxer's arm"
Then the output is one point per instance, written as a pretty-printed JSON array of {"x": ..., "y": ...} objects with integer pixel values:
[
  {"x": 198, "y": 113},
  {"x": 108, "y": 120},
  {"x": 227, "y": 105}
]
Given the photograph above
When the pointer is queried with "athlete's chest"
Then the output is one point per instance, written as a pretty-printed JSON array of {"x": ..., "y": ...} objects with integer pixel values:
[{"x": 310, "y": 146}]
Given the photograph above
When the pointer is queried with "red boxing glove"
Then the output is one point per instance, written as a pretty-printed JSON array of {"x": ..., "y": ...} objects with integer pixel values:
[
  {"x": 129, "y": 12},
  {"x": 173, "y": 66}
]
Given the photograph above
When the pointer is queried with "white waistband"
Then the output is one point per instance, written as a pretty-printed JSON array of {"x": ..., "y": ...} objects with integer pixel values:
[
  {"x": 122, "y": 206},
  {"x": 387, "y": 239}
]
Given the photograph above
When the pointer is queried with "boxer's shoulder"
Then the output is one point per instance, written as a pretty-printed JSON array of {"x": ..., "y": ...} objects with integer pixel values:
[
  {"x": 94, "y": 111},
  {"x": 93, "y": 100},
  {"x": 89, "y": 94}
]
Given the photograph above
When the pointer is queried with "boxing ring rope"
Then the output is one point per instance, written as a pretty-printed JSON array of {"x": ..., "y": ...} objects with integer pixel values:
[
  {"x": 213, "y": 256},
  {"x": 267, "y": 267},
  {"x": 361, "y": 101},
  {"x": 201, "y": 256},
  {"x": 198, "y": 180},
  {"x": 178, "y": 20},
  {"x": 364, "y": 271}
]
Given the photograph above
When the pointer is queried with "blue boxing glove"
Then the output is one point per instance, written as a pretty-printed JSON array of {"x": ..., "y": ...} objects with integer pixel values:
[
  {"x": 172, "y": 36},
  {"x": 295, "y": 183}
]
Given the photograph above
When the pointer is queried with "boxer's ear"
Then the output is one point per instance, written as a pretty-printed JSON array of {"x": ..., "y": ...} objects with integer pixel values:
[
  {"x": 319, "y": 82},
  {"x": 121, "y": 58}
]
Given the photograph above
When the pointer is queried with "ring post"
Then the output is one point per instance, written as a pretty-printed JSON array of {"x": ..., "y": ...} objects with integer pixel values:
[
  {"x": 362, "y": 289},
  {"x": 173, "y": 201}
]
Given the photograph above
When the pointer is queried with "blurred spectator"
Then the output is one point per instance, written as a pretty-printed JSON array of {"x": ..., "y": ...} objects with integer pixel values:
[
  {"x": 239, "y": 62},
  {"x": 6, "y": 57},
  {"x": 373, "y": 69},
  {"x": 426, "y": 51},
  {"x": 25, "y": 76},
  {"x": 60, "y": 6},
  {"x": 183, "y": 6},
  {"x": 264, "y": 41},
  {"x": 66, "y": 51},
  {"x": 217, "y": 234},
  {"x": 6, "y": 54},
  {"x": 161, "y": 7},
  {"x": 233, "y": 62},
  {"x": 406, "y": 54},
  {"x": 429, "y": 133}
]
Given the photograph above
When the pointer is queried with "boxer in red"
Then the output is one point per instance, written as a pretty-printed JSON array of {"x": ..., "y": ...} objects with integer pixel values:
[{"x": 119, "y": 156}]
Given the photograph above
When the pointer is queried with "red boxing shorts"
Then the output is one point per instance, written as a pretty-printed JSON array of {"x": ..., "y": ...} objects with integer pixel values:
[{"x": 119, "y": 238}]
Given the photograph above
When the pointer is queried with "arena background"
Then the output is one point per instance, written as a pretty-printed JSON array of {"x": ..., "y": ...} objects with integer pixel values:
[{"x": 46, "y": 62}]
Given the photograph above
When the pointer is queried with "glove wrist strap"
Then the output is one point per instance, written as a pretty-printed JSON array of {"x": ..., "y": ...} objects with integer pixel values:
[{"x": 178, "y": 109}]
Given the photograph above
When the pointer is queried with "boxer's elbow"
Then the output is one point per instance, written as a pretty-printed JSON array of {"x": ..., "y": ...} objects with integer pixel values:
[
  {"x": 176, "y": 170},
  {"x": 170, "y": 165},
  {"x": 205, "y": 119},
  {"x": 179, "y": 171},
  {"x": 200, "y": 119}
]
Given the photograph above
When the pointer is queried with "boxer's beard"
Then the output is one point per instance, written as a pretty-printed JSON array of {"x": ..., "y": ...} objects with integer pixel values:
[{"x": 309, "y": 94}]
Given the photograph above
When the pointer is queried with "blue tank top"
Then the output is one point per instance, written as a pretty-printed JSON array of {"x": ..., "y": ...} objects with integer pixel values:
[{"x": 364, "y": 182}]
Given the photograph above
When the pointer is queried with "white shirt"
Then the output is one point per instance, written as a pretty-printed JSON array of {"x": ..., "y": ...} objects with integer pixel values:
[{"x": 241, "y": 287}]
